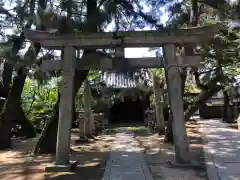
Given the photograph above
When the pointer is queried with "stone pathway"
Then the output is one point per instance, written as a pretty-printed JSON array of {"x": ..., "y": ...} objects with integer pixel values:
[
  {"x": 222, "y": 150},
  {"x": 126, "y": 161}
]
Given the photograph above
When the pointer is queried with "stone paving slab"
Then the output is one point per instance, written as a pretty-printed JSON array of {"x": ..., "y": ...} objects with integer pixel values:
[
  {"x": 221, "y": 150},
  {"x": 126, "y": 161}
]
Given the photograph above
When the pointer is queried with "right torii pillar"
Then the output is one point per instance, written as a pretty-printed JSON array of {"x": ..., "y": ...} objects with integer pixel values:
[{"x": 176, "y": 103}]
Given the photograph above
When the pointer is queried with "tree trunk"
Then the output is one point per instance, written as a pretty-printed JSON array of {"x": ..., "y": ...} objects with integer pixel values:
[
  {"x": 7, "y": 77},
  {"x": 19, "y": 117},
  {"x": 228, "y": 112},
  {"x": 12, "y": 104},
  {"x": 6, "y": 80},
  {"x": 27, "y": 128},
  {"x": 225, "y": 107},
  {"x": 48, "y": 139},
  {"x": 14, "y": 94},
  {"x": 202, "y": 98},
  {"x": 158, "y": 93}
]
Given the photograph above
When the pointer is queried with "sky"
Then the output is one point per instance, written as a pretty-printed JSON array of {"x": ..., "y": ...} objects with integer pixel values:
[{"x": 143, "y": 52}]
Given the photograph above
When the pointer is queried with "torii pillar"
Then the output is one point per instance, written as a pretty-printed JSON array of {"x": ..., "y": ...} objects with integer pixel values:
[
  {"x": 176, "y": 103},
  {"x": 65, "y": 113},
  {"x": 66, "y": 107}
]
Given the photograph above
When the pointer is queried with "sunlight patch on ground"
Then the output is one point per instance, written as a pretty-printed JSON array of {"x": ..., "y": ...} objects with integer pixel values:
[{"x": 138, "y": 129}]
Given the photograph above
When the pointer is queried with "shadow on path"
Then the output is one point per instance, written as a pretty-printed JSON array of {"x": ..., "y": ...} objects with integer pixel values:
[{"x": 222, "y": 150}]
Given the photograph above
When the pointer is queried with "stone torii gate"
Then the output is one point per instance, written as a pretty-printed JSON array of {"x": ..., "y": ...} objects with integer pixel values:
[{"x": 72, "y": 42}]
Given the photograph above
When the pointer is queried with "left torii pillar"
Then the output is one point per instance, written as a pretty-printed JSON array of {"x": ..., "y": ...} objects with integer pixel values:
[{"x": 66, "y": 108}]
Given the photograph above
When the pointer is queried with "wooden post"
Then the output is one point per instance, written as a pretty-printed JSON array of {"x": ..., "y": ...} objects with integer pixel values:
[
  {"x": 158, "y": 93},
  {"x": 65, "y": 107},
  {"x": 87, "y": 108},
  {"x": 176, "y": 103}
]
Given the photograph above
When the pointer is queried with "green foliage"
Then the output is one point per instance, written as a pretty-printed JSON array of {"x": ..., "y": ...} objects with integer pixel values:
[
  {"x": 38, "y": 101},
  {"x": 159, "y": 73}
]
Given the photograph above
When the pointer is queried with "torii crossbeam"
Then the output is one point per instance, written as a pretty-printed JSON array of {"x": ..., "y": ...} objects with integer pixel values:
[{"x": 104, "y": 40}]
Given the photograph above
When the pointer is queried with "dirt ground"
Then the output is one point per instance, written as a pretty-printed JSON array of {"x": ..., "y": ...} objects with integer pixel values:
[
  {"x": 160, "y": 155},
  {"x": 17, "y": 164}
]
